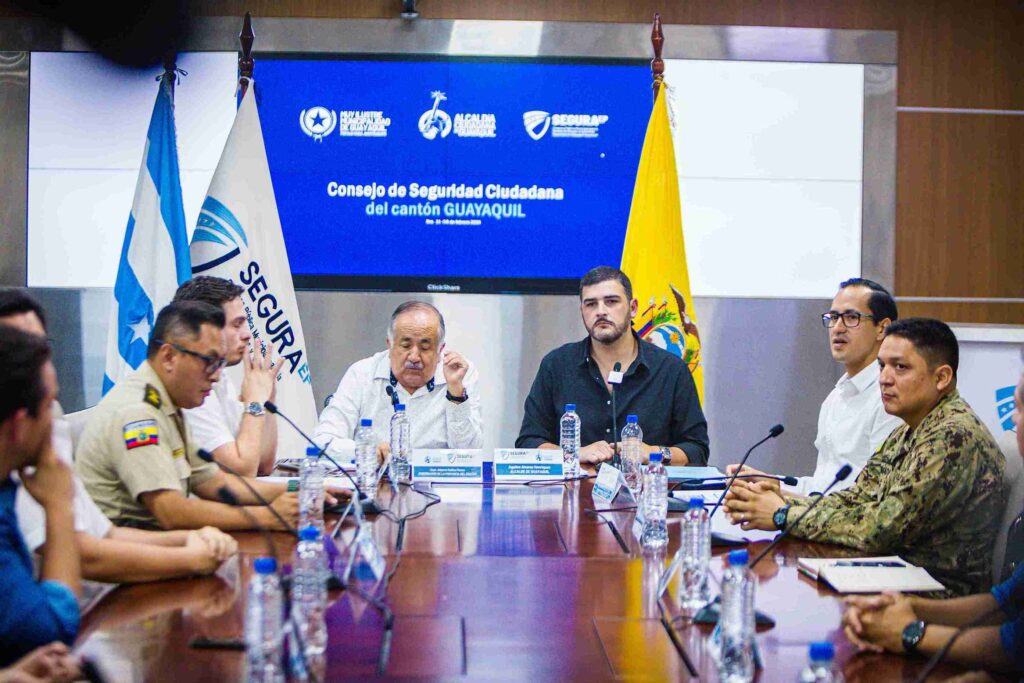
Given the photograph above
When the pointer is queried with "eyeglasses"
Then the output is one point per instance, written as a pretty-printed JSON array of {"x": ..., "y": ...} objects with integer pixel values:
[
  {"x": 850, "y": 318},
  {"x": 213, "y": 363}
]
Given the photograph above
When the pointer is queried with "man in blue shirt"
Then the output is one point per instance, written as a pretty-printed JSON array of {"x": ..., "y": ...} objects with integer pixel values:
[
  {"x": 34, "y": 613},
  {"x": 903, "y": 624}
]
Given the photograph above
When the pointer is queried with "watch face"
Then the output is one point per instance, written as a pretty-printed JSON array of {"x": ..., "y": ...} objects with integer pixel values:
[{"x": 779, "y": 518}]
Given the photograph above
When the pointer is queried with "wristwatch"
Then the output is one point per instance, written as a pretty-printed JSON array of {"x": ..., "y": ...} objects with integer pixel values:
[
  {"x": 779, "y": 518},
  {"x": 912, "y": 635},
  {"x": 666, "y": 455},
  {"x": 457, "y": 399},
  {"x": 255, "y": 409}
]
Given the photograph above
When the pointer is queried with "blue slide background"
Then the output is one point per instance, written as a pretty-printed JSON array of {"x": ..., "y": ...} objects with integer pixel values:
[{"x": 557, "y": 239}]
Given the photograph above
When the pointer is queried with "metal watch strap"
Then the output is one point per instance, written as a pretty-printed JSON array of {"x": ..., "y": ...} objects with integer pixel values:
[{"x": 666, "y": 455}]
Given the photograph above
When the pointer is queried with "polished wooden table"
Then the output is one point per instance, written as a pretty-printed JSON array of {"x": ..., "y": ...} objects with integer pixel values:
[{"x": 496, "y": 582}]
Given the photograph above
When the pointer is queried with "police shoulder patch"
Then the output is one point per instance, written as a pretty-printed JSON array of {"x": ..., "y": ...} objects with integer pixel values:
[
  {"x": 141, "y": 433},
  {"x": 152, "y": 396}
]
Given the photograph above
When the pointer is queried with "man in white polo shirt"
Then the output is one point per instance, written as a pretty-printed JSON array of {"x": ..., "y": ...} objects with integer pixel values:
[
  {"x": 231, "y": 424},
  {"x": 437, "y": 386},
  {"x": 852, "y": 423}
]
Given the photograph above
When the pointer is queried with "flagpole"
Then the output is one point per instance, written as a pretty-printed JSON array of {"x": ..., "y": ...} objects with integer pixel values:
[
  {"x": 657, "y": 64},
  {"x": 246, "y": 65},
  {"x": 170, "y": 67}
]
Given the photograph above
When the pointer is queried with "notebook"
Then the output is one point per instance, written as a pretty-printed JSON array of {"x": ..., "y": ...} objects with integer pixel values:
[{"x": 869, "y": 574}]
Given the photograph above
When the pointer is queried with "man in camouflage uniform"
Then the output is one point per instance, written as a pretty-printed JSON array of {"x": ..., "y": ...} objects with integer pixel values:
[
  {"x": 932, "y": 494},
  {"x": 137, "y": 458}
]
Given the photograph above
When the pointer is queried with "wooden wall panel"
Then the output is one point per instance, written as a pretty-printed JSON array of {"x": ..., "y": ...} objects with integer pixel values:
[
  {"x": 960, "y": 207},
  {"x": 964, "y": 311}
]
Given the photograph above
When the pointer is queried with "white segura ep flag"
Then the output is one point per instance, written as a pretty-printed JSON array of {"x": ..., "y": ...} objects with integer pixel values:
[{"x": 238, "y": 237}]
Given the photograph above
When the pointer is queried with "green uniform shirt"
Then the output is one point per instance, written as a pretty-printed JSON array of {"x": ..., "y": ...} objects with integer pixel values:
[
  {"x": 933, "y": 496},
  {"x": 137, "y": 441}
]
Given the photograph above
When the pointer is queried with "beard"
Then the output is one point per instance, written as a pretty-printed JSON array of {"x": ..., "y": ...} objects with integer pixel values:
[{"x": 608, "y": 334}]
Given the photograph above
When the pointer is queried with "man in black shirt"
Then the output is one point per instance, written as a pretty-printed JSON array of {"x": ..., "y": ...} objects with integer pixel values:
[{"x": 656, "y": 386}]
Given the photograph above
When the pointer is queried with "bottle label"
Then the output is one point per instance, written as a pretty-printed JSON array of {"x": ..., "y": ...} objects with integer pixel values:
[
  {"x": 527, "y": 464},
  {"x": 447, "y": 465}
]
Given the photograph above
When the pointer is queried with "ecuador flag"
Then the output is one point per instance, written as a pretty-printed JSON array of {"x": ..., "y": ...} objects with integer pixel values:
[{"x": 654, "y": 254}]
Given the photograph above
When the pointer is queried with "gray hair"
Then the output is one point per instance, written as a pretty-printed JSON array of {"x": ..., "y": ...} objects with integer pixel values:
[{"x": 416, "y": 306}]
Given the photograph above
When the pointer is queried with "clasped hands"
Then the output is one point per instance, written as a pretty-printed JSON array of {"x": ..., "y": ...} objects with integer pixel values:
[{"x": 751, "y": 503}]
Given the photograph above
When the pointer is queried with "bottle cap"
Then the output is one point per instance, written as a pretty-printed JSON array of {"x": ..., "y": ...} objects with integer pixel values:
[
  {"x": 312, "y": 451},
  {"x": 264, "y": 565},
  {"x": 399, "y": 407},
  {"x": 696, "y": 502},
  {"x": 654, "y": 457},
  {"x": 631, "y": 419},
  {"x": 822, "y": 651},
  {"x": 569, "y": 407},
  {"x": 366, "y": 422},
  {"x": 738, "y": 558},
  {"x": 309, "y": 533}
]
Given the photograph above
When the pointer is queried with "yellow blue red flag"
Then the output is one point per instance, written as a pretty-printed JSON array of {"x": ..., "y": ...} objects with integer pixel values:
[{"x": 654, "y": 254}]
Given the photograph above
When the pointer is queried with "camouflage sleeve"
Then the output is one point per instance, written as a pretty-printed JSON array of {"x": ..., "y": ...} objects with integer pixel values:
[{"x": 922, "y": 494}]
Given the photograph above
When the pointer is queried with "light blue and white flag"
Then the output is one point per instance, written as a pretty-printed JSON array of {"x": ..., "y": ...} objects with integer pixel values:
[
  {"x": 239, "y": 237},
  {"x": 155, "y": 257}
]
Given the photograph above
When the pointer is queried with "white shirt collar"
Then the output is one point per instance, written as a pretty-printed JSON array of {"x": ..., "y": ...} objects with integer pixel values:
[{"x": 863, "y": 379}]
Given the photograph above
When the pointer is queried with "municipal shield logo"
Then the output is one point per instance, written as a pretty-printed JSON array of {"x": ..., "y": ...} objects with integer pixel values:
[
  {"x": 318, "y": 122},
  {"x": 435, "y": 121}
]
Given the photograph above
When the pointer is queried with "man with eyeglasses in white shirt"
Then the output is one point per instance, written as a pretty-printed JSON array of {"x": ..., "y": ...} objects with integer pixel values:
[{"x": 852, "y": 423}]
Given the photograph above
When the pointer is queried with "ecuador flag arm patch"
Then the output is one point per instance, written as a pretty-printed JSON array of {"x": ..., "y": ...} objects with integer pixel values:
[{"x": 141, "y": 433}]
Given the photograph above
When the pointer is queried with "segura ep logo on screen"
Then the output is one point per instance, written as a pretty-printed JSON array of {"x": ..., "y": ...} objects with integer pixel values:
[{"x": 538, "y": 123}]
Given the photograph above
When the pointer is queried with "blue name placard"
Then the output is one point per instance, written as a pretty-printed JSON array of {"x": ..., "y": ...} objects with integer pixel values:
[
  {"x": 447, "y": 465},
  {"x": 527, "y": 464}
]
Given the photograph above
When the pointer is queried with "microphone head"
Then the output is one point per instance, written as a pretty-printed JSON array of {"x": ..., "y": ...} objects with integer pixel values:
[
  {"x": 205, "y": 455},
  {"x": 617, "y": 367},
  {"x": 790, "y": 481},
  {"x": 843, "y": 472},
  {"x": 390, "y": 389},
  {"x": 227, "y": 496},
  {"x": 776, "y": 430},
  {"x": 271, "y": 408}
]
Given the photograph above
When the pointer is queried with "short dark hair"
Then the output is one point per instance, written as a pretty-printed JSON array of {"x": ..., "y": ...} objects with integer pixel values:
[
  {"x": 881, "y": 303},
  {"x": 603, "y": 274},
  {"x": 215, "y": 291},
  {"x": 15, "y": 300},
  {"x": 932, "y": 338},
  {"x": 22, "y": 357},
  {"x": 416, "y": 306},
  {"x": 182, "y": 319}
]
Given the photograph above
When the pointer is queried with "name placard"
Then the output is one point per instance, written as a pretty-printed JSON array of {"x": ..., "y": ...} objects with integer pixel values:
[
  {"x": 447, "y": 465},
  {"x": 527, "y": 464},
  {"x": 609, "y": 481}
]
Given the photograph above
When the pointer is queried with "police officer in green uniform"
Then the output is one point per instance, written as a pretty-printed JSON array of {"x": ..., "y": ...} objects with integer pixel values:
[
  {"x": 136, "y": 457},
  {"x": 933, "y": 493}
]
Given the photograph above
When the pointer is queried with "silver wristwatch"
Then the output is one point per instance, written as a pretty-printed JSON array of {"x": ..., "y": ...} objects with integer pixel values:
[
  {"x": 666, "y": 455},
  {"x": 255, "y": 409}
]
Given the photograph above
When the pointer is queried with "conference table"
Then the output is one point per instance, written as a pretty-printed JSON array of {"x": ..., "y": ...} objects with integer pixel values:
[{"x": 506, "y": 581}]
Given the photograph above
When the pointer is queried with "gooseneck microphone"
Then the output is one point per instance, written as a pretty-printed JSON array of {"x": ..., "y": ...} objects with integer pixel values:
[
  {"x": 772, "y": 433},
  {"x": 842, "y": 474},
  {"x": 206, "y": 456},
  {"x": 616, "y": 458},
  {"x": 367, "y": 504},
  {"x": 686, "y": 484},
  {"x": 394, "y": 396}
]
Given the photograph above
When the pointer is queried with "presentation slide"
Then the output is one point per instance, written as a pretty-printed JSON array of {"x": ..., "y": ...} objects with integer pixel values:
[{"x": 509, "y": 174}]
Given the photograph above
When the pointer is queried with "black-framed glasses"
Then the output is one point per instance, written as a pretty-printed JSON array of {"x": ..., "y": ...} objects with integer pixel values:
[
  {"x": 850, "y": 318},
  {"x": 213, "y": 363}
]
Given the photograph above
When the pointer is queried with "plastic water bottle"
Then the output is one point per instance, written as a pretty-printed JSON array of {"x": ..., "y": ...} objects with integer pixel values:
[
  {"x": 366, "y": 458},
  {"x": 655, "y": 501},
  {"x": 570, "y": 441},
  {"x": 632, "y": 454},
  {"x": 819, "y": 666},
  {"x": 263, "y": 617},
  {"x": 309, "y": 591},
  {"x": 736, "y": 658},
  {"x": 696, "y": 550},
  {"x": 401, "y": 472},
  {"x": 311, "y": 490}
]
